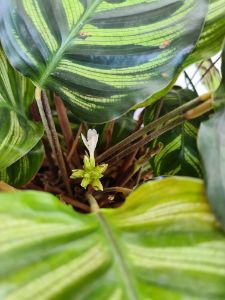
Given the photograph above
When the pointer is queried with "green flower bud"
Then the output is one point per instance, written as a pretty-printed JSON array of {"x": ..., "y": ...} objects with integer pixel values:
[{"x": 91, "y": 173}]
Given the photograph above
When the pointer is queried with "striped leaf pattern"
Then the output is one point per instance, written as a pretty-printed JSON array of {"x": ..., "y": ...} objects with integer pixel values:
[
  {"x": 209, "y": 44},
  {"x": 213, "y": 34},
  {"x": 211, "y": 143},
  {"x": 101, "y": 56},
  {"x": 23, "y": 170},
  {"x": 163, "y": 243},
  {"x": 179, "y": 154},
  {"x": 210, "y": 75},
  {"x": 18, "y": 135}
]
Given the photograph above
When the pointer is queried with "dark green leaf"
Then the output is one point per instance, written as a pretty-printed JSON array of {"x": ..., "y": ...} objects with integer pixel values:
[
  {"x": 101, "y": 57},
  {"x": 179, "y": 154},
  {"x": 213, "y": 34},
  {"x": 18, "y": 134},
  {"x": 219, "y": 96},
  {"x": 209, "y": 44},
  {"x": 211, "y": 142},
  {"x": 24, "y": 169}
]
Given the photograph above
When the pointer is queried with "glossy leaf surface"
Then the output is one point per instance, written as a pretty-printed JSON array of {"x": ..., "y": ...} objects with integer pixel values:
[
  {"x": 211, "y": 142},
  {"x": 23, "y": 170},
  {"x": 101, "y": 57},
  {"x": 18, "y": 134},
  {"x": 209, "y": 43},
  {"x": 179, "y": 153},
  {"x": 163, "y": 243},
  {"x": 213, "y": 34},
  {"x": 219, "y": 95}
]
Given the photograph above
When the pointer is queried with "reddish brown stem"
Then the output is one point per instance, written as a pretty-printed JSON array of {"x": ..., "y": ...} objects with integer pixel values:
[
  {"x": 107, "y": 134},
  {"x": 64, "y": 122},
  {"x": 55, "y": 144},
  {"x": 50, "y": 161},
  {"x": 146, "y": 140},
  {"x": 75, "y": 203},
  {"x": 117, "y": 189},
  {"x": 73, "y": 154}
]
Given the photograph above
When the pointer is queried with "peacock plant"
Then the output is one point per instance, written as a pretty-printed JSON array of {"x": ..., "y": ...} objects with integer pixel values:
[{"x": 115, "y": 228}]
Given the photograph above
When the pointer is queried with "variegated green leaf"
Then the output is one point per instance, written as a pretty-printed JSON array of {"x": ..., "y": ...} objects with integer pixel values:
[
  {"x": 209, "y": 44},
  {"x": 211, "y": 142},
  {"x": 213, "y": 34},
  {"x": 101, "y": 56},
  {"x": 179, "y": 154},
  {"x": 219, "y": 95},
  {"x": 18, "y": 135},
  {"x": 163, "y": 243},
  {"x": 210, "y": 75},
  {"x": 24, "y": 169}
]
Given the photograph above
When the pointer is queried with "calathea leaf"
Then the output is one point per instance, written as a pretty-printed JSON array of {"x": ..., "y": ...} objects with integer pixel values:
[
  {"x": 115, "y": 131},
  {"x": 179, "y": 154},
  {"x": 23, "y": 170},
  {"x": 211, "y": 75},
  {"x": 18, "y": 134},
  {"x": 209, "y": 43},
  {"x": 213, "y": 34},
  {"x": 101, "y": 57},
  {"x": 219, "y": 95},
  {"x": 163, "y": 243},
  {"x": 211, "y": 142}
]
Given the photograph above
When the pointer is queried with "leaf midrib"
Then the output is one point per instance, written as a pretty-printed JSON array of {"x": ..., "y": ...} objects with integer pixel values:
[
  {"x": 59, "y": 54},
  {"x": 126, "y": 277}
]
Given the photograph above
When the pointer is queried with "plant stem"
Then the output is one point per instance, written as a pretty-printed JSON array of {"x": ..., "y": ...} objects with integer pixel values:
[
  {"x": 47, "y": 119},
  {"x": 4, "y": 187},
  {"x": 117, "y": 189},
  {"x": 49, "y": 158},
  {"x": 108, "y": 133},
  {"x": 73, "y": 154},
  {"x": 199, "y": 110},
  {"x": 139, "y": 176},
  {"x": 157, "y": 123},
  {"x": 146, "y": 140},
  {"x": 139, "y": 164},
  {"x": 64, "y": 122},
  {"x": 93, "y": 203},
  {"x": 75, "y": 203},
  {"x": 208, "y": 70},
  {"x": 38, "y": 99}
]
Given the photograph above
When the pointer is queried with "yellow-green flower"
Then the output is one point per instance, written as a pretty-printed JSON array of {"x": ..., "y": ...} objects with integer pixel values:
[{"x": 91, "y": 173}]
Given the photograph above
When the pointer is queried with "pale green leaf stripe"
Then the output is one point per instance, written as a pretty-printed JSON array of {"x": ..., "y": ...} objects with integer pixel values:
[
  {"x": 212, "y": 77},
  {"x": 102, "y": 57},
  {"x": 213, "y": 34},
  {"x": 24, "y": 169},
  {"x": 209, "y": 44},
  {"x": 192, "y": 161},
  {"x": 18, "y": 135},
  {"x": 165, "y": 228},
  {"x": 179, "y": 154}
]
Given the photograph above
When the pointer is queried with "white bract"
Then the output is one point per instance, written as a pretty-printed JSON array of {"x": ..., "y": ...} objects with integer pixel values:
[
  {"x": 90, "y": 174},
  {"x": 91, "y": 141}
]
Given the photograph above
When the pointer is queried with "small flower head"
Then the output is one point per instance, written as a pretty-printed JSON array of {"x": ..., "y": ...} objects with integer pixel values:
[
  {"x": 91, "y": 141},
  {"x": 91, "y": 174}
]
